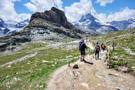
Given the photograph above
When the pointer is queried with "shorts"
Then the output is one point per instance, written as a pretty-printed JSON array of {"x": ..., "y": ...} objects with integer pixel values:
[{"x": 82, "y": 53}]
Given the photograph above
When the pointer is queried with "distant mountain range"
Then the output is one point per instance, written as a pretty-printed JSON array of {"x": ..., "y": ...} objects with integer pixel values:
[
  {"x": 7, "y": 28},
  {"x": 124, "y": 24},
  {"x": 89, "y": 23}
]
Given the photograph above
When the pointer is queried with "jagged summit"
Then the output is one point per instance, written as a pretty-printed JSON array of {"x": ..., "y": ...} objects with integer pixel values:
[
  {"x": 53, "y": 16},
  {"x": 87, "y": 17},
  {"x": 91, "y": 23}
]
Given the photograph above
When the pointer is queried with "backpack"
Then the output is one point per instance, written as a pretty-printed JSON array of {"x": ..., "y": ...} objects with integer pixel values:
[
  {"x": 81, "y": 45},
  {"x": 97, "y": 48},
  {"x": 103, "y": 46}
]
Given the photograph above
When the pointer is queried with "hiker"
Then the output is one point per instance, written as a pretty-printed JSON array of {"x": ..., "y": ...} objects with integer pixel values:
[
  {"x": 103, "y": 46},
  {"x": 82, "y": 47},
  {"x": 97, "y": 50}
]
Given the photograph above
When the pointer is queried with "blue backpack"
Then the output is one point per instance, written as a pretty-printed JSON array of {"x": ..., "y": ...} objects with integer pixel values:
[{"x": 81, "y": 45}]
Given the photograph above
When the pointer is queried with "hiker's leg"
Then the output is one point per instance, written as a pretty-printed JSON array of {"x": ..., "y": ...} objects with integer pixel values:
[
  {"x": 95, "y": 55},
  {"x": 98, "y": 55},
  {"x": 81, "y": 58}
]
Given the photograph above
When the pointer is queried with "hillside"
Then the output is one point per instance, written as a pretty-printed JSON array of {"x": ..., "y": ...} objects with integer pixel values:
[
  {"x": 123, "y": 43},
  {"x": 48, "y": 25},
  {"x": 31, "y": 64}
]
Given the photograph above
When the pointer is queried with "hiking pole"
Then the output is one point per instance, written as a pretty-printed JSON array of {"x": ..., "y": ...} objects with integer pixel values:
[{"x": 68, "y": 60}]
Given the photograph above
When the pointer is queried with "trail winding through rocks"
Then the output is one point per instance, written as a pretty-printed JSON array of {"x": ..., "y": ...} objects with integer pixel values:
[{"x": 90, "y": 77}]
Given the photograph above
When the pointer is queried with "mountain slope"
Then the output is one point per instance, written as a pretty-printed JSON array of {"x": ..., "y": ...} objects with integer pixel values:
[
  {"x": 124, "y": 24},
  {"x": 52, "y": 24},
  {"x": 7, "y": 28},
  {"x": 48, "y": 25},
  {"x": 90, "y": 23}
]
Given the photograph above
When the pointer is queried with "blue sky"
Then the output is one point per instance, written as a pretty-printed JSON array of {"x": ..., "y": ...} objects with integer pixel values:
[
  {"x": 115, "y": 6},
  {"x": 109, "y": 8},
  {"x": 105, "y": 10}
]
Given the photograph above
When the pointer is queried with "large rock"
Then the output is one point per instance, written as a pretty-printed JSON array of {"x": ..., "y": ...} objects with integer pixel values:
[
  {"x": 53, "y": 16},
  {"x": 52, "y": 23}
]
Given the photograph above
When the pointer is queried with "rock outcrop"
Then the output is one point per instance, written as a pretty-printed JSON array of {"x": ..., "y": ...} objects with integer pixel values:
[
  {"x": 53, "y": 16},
  {"x": 53, "y": 22}
]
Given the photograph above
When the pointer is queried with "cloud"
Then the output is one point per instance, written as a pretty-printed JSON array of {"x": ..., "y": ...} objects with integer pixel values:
[
  {"x": 31, "y": 7},
  {"x": 123, "y": 14},
  {"x": 8, "y": 12},
  {"x": 58, "y": 4},
  {"x": 77, "y": 9},
  {"x": 102, "y": 17},
  {"x": 104, "y": 2},
  {"x": 42, "y": 5}
]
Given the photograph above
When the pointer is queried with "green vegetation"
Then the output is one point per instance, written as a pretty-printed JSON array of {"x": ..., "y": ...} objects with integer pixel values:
[
  {"x": 34, "y": 72},
  {"x": 122, "y": 42},
  {"x": 28, "y": 48}
]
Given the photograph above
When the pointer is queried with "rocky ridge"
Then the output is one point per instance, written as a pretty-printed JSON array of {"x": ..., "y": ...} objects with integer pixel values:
[{"x": 48, "y": 25}]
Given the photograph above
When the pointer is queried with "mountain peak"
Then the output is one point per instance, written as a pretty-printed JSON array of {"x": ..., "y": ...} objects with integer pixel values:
[
  {"x": 55, "y": 16},
  {"x": 87, "y": 17}
]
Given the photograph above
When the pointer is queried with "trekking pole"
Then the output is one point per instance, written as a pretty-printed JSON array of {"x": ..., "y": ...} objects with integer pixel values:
[{"x": 68, "y": 54}]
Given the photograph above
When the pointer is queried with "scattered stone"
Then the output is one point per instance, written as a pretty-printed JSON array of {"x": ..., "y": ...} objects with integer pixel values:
[
  {"x": 133, "y": 67},
  {"x": 116, "y": 75},
  {"x": 53, "y": 65},
  {"x": 123, "y": 69},
  {"x": 69, "y": 56},
  {"x": 9, "y": 66},
  {"x": 44, "y": 61},
  {"x": 85, "y": 85},
  {"x": 75, "y": 66}
]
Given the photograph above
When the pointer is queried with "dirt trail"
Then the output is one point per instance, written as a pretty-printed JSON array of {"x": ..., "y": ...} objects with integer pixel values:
[
  {"x": 90, "y": 77},
  {"x": 20, "y": 59},
  {"x": 129, "y": 51}
]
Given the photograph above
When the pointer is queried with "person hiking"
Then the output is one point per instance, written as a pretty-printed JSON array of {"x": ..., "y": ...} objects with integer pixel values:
[
  {"x": 103, "y": 46},
  {"x": 97, "y": 50},
  {"x": 82, "y": 47}
]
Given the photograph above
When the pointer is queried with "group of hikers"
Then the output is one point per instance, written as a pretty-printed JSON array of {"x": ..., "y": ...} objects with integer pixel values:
[{"x": 97, "y": 49}]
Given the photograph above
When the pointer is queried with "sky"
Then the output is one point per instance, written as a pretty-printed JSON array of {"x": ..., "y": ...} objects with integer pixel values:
[{"x": 104, "y": 10}]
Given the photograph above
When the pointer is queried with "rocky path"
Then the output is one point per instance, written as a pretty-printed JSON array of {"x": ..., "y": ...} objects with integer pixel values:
[
  {"x": 90, "y": 77},
  {"x": 129, "y": 52},
  {"x": 20, "y": 59}
]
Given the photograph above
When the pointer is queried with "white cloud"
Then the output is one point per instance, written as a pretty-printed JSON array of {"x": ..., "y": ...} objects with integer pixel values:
[
  {"x": 58, "y": 4},
  {"x": 31, "y": 7},
  {"x": 23, "y": 16},
  {"x": 77, "y": 9},
  {"x": 42, "y": 5},
  {"x": 8, "y": 13},
  {"x": 123, "y": 14},
  {"x": 104, "y": 2},
  {"x": 102, "y": 17}
]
